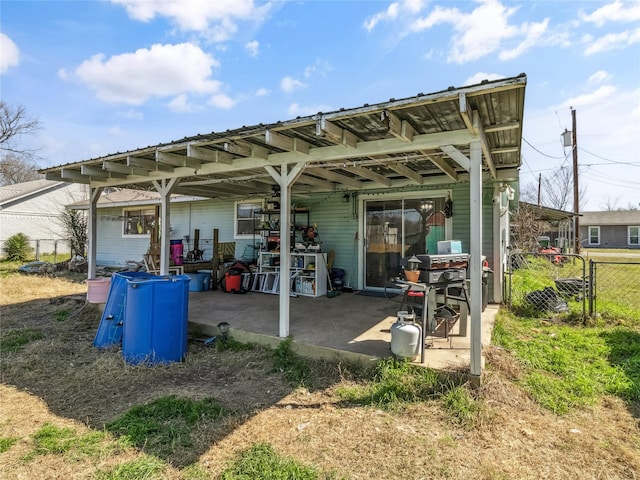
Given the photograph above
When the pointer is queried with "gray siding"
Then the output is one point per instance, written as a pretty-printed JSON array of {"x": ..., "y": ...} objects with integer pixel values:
[{"x": 611, "y": 236}]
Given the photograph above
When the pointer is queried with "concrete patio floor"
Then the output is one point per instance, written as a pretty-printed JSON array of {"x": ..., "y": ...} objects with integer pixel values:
[{"x": 349, "y": 326}]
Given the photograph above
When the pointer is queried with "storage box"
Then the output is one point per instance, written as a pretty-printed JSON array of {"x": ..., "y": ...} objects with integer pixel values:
[{"x": 449, "y": 246}]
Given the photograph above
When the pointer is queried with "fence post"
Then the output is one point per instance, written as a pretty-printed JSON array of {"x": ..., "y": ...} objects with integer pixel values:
[
  {"x": 592, "y": 281},
  {"x": 55, "y": 251},
  {"x": 38, "y": 249}
]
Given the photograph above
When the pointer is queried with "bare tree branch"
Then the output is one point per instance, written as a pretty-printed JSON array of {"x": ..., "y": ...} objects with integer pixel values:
[{"x": 13, "y": 124}]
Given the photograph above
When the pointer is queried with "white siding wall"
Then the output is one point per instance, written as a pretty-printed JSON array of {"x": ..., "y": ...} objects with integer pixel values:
[
  {"x": 115, "y": 249},
  {"x": 38, "y": 217}
]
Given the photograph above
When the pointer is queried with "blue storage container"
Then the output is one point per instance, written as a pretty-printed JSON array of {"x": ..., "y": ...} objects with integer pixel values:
[
  {"x": 110, "y": 329},
  {"x": 206, "y": 279},
  {"x": 197, "y": 282},
  {"x": 157, "y": 314}
]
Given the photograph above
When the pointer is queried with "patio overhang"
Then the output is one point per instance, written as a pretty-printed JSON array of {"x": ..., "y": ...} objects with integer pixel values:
[
  {"x": 408, "y": 141},
  {"x": 470, "y": 134}
]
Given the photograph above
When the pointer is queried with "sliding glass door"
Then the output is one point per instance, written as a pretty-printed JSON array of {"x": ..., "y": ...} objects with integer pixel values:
[{"x": 398, "y": 228}]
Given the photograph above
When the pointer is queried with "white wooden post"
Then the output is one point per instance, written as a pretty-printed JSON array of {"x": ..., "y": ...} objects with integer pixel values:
[
  {"x": 93, "y": 232},
  {"x": 475, "y": 266},
  {"x": 164, "y": 188},
  {"x": 285, "y": 180}
]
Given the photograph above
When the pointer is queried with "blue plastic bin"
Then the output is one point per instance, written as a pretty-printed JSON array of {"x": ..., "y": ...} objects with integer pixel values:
[
  {"x": 197, "y": 283},
  {"x": 110, "y": 329},
  {"x": 206, "y": 279},
  {"x": 156, "y": 312}
]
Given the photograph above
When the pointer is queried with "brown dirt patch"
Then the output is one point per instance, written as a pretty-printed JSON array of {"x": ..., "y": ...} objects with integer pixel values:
[{"x": 62, "y": 379}]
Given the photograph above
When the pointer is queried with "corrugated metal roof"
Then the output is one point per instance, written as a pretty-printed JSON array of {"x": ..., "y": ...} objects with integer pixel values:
[{"x": 415, "y": 140}]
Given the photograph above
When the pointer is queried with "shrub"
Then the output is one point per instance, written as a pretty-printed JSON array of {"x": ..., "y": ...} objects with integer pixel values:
[{"x": 17, "y": 248}]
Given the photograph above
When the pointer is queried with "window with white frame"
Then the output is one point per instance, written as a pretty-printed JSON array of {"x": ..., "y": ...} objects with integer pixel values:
[
  {"x": 633, "y": 235},
  {"x": 594, "y": 235},
  {"x": 246, "y": 219},
  {"x": 138, "y": 221}
]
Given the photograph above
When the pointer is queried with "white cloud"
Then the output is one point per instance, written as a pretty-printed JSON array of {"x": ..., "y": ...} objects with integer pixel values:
[
  {"x": 404, "y": 8},
  {"x": 10, "y": 53},
  {"x": 252, "y": 48},
  {"x": 481, "y": 32},
  {"x": 290, "y": 84},
  {"x": 596, "y": 97},
  {"x": 612, "y": 41},
  {"x": 533, "y": 32},
  {"x": 320, "y": 67},
  {"x": 161, "y": 71},
  {"x": 214, "y": 19},
  {"x": 476, "y": 34},
  {"x": 480, "y": 76},
  {"x": 599, "y": 77},
  {"x": 221, "y": 101},
  {"x": 613, "y": 12},
  {"x": 261, "y": 92},
  {"x": 296, "y": 110},
  {"x": 181, "y": 104}
]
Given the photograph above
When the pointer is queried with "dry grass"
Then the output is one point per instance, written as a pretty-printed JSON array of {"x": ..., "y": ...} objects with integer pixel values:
[{"x": 63, "y": 380}]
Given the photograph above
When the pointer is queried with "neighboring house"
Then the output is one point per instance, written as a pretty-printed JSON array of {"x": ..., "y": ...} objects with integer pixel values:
[
  {"x": 618, "y": 229},
  {"x": 34, "y": 209}
]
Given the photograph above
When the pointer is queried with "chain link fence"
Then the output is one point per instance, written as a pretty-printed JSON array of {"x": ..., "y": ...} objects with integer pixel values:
[
  {"x": 55, "y": 249},
  {"x": 544, "y": 284},
  {"x": 614, "y": 292},
  {"x": 563, "y": 286}
]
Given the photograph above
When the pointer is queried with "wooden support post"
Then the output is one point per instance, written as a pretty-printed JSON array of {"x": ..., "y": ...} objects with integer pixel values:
[{"x": 215, "y": 260}]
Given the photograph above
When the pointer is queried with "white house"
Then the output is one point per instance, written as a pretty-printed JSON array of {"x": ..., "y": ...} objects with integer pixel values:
[{"x": 34, "y": 209}]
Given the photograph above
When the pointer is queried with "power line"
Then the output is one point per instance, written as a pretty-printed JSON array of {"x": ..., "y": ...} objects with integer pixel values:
[
  {"x": 608, "y": 160},
  {"x": 542, "y": 153}
]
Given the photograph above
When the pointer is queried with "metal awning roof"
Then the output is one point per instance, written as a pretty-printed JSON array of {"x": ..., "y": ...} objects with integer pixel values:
[
  {"x": 547, "y": 213},
  {"x": 419, "y": 140}
]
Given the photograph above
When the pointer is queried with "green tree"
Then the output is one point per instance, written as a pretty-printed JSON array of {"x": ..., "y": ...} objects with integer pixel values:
[{"x": 17, "y": 248}]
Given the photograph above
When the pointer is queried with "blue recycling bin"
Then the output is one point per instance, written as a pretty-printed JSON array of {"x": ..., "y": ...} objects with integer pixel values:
[
  {"x": 157, "y": 313},
  {"x": 109, "y": 332}
]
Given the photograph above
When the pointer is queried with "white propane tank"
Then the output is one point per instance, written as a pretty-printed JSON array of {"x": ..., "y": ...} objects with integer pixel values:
[{"x": 405, "y": 336}]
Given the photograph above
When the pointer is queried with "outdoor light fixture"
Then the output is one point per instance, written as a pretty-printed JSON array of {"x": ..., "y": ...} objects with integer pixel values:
[
  {"x": 346, "y": 197},
  {"x": 224, "y": 329},
  {"x": 414, "y": 262}
]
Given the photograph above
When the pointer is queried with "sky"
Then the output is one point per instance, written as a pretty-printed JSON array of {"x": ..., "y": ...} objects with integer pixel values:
[{"x": 106, "y": 76}]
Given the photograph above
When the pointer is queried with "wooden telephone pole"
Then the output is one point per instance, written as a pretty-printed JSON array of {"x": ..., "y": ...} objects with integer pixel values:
[{"x": 576, "y": 199}]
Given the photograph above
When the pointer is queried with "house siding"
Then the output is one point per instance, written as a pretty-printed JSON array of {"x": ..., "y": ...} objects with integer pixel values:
[
  {"x": 611, "y": 236},
  {"x": 38, "y": 216},
  {"x": 337, "y": 225}
]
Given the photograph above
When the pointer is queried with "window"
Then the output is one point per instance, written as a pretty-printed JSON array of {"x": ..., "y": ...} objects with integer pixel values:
[
  {"x": 594, "y": 235},
  {"x": 138, "y": 221},
  {"x": 633, "y": 235},
  {"x": 246, "y": 221}
]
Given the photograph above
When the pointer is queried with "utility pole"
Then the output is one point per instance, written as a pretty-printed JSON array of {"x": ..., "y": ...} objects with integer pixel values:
[
  {"x": 576, "y": 199},
  {"x": 539, "y": 187}
]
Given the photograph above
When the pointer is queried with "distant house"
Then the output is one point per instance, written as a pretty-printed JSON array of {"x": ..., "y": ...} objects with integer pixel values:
[
  {"x": 34, "y": 209},
  {"x": 619, "y": 229}
]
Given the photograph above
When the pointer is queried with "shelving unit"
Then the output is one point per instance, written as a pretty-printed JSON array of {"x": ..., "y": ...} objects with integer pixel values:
[
  {"x": 307, "y": 276},
  {"x": 269, "y": 230}
]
